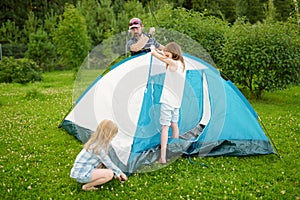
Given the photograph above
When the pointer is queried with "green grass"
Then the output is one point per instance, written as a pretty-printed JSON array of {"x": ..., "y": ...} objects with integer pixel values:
[{"x": 36, "y": 156}]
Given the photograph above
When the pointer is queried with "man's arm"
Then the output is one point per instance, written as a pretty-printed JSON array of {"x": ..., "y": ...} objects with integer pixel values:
[{"x": 142, "y": 41}]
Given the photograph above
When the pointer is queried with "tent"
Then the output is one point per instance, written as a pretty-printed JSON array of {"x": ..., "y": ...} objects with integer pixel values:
[{"x": 215, "y": 118}]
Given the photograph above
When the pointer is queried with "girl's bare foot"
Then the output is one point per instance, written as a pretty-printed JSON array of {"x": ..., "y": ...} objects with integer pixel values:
[
  {"x": 162, "y": 161},
  {"x": 85, "y": 188}
]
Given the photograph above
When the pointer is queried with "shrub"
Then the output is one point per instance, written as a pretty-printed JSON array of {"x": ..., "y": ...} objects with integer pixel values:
[
  {"x": 19, "y": 70},
  {"x": 261, "y": 57},
  {"x": 210, "y": 34}
]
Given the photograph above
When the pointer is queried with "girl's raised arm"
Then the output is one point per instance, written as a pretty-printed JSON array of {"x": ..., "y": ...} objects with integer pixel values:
[{"x": 163, "y": 58}]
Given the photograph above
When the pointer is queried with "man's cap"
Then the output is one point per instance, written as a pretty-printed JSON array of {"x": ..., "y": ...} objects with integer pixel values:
[{"x": 135, "y": 23}]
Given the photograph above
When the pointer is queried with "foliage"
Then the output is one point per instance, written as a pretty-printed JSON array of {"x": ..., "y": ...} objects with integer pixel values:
[
  {"x": 18, "y": 10},
  {"x": 230, "y": 9},
  {"x": 294, "y": 15},
  {"x": 210, "y": 34},
  {"x": 270, "y": 11},
  {"x": 15, "y": 11},
  {"x": 50, "y": 23},
  {"x": 10, "y": 33},
  {"x": 19, "y": 71},
  {"x": 90, "y": 11},
  {"x": 31, "y": 26},
  {"x": 71, "y": 38},
  {"x": 262, "y": 57},
  {"x": 41, "y": 50},
  {"x": 36, "y": 156},
  {"x": 107, "y": 18},
  {"x": 207, "y": 31},
  {"x": 100, "y": 18},
  {"x": 284, "y": 8},
  {"x": 14, "y": 50}
]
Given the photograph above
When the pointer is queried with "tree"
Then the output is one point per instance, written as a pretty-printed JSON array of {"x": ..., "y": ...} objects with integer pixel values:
[
  {"x": 295, "y": 5},
  {"x": 283, "y": 9},
  {"x": 15, "y": 11},
  {"x": 106, "y": 18},
  {"x": 31, "y": 26},
  {"x": 100, "y": 18},
  {"x": 50, "y": 23},
  {"x": 90, "y": 9},
  {"x": 270, "y": 11},
  {"x": 229, "y": 9},
  {"x": 71, "y": 38},
  {"x": 41, "y": 50}
]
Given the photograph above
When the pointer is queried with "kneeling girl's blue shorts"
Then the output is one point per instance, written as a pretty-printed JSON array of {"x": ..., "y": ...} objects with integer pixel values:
[
  {"x": 168, "y": 114},
  {"x": 84, "y": 180}
]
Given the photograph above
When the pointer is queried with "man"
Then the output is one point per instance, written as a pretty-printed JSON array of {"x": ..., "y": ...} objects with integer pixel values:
[{"x": 140, "y": 42}]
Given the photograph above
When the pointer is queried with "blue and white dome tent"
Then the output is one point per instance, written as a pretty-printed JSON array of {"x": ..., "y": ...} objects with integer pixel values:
[{"x": 215, "y": 118}]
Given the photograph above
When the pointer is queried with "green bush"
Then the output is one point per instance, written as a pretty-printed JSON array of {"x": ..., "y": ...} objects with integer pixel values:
[
  {"x": 210, "y": 34},
  {"x": 19, "y": 70},
  {"x": 41, "y": 50},
  {"x": 261, "y": 57}
]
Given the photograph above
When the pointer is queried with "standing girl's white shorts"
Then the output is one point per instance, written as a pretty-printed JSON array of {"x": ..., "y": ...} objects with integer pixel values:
[{"x": 168, "y": 114}]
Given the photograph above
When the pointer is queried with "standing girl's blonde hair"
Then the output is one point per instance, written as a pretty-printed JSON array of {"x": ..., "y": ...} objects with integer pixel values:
[
  {"x": 175, "y": 49},
  {"x": 102, "y": 137}
]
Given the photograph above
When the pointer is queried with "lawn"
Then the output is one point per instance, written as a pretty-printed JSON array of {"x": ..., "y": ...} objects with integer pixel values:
[{"x": 36, "y": 156}]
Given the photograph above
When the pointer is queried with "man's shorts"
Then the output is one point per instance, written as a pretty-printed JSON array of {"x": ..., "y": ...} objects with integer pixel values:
[{"x": 168, "y": 114}]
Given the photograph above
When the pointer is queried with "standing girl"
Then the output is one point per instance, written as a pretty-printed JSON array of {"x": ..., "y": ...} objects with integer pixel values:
[
  {"x": 88, "y": 166},
  {"x": 172, "y": 92}
]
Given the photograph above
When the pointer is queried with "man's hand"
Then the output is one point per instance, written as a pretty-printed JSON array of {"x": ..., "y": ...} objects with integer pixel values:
[
  {"x": 152, "y": 47},
  {"x": 152, "y": 31}
]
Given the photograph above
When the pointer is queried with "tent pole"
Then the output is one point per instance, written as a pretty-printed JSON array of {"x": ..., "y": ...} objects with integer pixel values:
[
  {"x": 156, "y": 21},
  {"x": 126, "y": 40}
]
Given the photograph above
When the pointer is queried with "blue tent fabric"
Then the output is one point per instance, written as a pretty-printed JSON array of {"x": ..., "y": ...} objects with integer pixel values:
[{"x": 232, "y": 128}]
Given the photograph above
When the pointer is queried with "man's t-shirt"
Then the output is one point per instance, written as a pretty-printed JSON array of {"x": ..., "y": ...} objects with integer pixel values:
[{"x": 146, "y": 48}]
